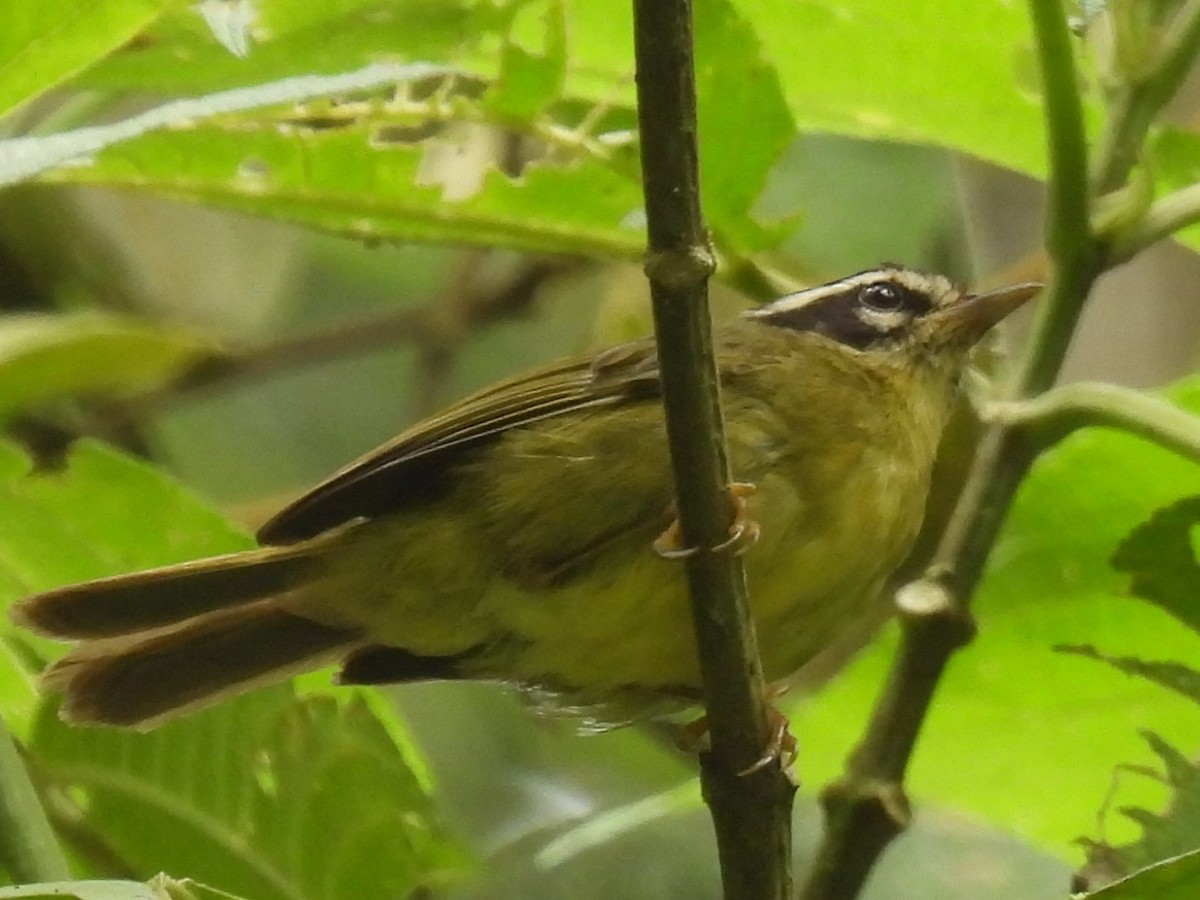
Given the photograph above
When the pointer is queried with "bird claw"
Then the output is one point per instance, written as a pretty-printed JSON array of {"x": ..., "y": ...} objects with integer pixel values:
[
  {"x": 743, "y": 531},
  {"x": 781, "y": 745}
]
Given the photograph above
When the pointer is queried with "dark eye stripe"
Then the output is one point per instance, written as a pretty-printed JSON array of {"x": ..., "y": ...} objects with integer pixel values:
[{"x": 849, "y": 317}]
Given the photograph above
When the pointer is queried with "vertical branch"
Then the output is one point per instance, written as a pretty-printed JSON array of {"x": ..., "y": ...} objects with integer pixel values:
[
  {"x": 867, "y": 806},
  {"x": 752, "y": 813}
]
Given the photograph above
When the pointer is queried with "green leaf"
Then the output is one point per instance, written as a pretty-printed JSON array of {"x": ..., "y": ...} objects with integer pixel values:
[
  {"x": 530, "y": 80},
  {"x": 745, "y": 125},
  {"x": 46, "y": 357},
  {"x": 1173, "y": 676},
  {"x": 1159, "y": 557},
  {"x": 355, "y": 180},
  {"x": 1163, "y": 836},
  {"x": 43, "y": 43},
  {"x": 102, "y": 514},
  {"x": 25, "y": 157},
  {"x": 242, "y": 795},
  {"x": 1174, "y": 162},
  {"x": 179, "y": 55},
  {"x": 867, "y": 68},
  {"x": 871, "y": 70},
  {"x": 263, "y": 796},
  {"x": 1175, "y": 879}
]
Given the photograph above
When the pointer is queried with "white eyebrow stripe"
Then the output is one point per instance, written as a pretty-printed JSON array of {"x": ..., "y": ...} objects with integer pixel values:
[{"x": 914, "y": 281}]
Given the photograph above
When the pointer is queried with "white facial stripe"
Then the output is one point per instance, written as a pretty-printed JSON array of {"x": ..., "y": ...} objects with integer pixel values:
[
  {"x": 937, "y": 287},
  {"x": 883, "y": 322}
]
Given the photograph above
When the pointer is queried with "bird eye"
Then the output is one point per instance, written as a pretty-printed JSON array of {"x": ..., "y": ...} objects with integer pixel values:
[{"x": 882, "y": 297}]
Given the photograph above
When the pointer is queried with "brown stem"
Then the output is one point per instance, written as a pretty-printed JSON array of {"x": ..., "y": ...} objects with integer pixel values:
[
  {"x": 751, "y": 814},
  {"x": 479, "y": 306}
]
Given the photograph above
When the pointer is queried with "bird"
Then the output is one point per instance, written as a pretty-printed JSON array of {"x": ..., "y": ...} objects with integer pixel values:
[{"x": 511, "y": 538}]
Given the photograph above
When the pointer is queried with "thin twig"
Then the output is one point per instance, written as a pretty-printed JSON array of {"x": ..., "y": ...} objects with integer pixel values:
[
  {"x": 1140, "y": 96},
  {"x": 486, "y": 304},
  {"x": 452, "y": 317},
  {"x": 751, "y": 813},
  {"x": 28, "y": 847},
  {"x": 1057, "y": 413},
  {"x": 1164, "y": 217}
]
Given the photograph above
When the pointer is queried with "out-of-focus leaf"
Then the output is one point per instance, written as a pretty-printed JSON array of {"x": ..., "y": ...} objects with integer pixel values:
[
  {"x": 957, "y": 75},
  {"x": 1175, "y": 879},
  {"x": 44, "y": 357},
  {"x": 43, "y": 43},
  {"x": 263, "y": 796},
  {"x": 530, "y": 80},
  {"x": 1175, "y": 155},
  {"x": 25, "y": 157},
  {"x": 355, "y": 180},
  {"x": 1174, "y": 676},
  {"x": 230, "y": 22},
  {"x": 103, "y": 514},
  {"x": 744, "y": 123},
  {"x": 1163, "y": 835},
  {"x": 243, "y": 795},
  {"x": 1159, "y": 557},
  {"x": 179, "y": 55}
]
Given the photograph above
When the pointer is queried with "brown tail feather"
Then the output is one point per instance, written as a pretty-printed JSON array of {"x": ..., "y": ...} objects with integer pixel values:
[
  {"x": 143, "y": 680},
  {"x": 111, "y": 607}
]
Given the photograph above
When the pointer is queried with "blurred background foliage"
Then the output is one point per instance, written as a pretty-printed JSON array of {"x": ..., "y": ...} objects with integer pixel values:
[{"x": 243, "y": 291}]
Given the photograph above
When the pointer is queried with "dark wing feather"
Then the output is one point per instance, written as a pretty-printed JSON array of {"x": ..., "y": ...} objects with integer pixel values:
[{"x": 409, "y": 467}]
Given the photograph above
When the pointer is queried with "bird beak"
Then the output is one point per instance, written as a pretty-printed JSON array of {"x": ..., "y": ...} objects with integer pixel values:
[{"x": 969, "y": 319}]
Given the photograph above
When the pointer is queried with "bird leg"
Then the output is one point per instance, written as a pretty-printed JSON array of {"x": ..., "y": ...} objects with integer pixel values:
[{"x": 743, "y": 531}]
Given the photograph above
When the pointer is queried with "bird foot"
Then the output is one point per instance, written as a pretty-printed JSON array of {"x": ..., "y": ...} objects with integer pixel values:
[
  {"x": 781, "y": 744},
  {"x": 743, "y": 531}
]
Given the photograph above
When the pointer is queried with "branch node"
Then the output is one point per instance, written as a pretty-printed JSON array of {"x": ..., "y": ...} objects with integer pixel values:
[
  {"x": 881, "y": 803},
  {"x": 679, "y": 269},
  {"x": 928, "y": 605}
]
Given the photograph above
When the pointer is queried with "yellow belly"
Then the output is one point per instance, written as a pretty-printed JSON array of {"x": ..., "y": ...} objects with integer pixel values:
[
  {"x": 615, "y": 631},
  {"x": 618, "y": 641}
]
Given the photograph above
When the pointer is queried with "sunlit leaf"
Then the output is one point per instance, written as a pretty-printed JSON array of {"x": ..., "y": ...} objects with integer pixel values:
[
  {"x": 1159, "y": 557},
  {"x": 531, "y": 78},
  {"x": 45, "y": 42},
  {"x": 949, "y": 74},
  {"x": 356, "y": 181},
  {"x": 179, "y": 56},
  {"x": 744, "y": 122}
]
